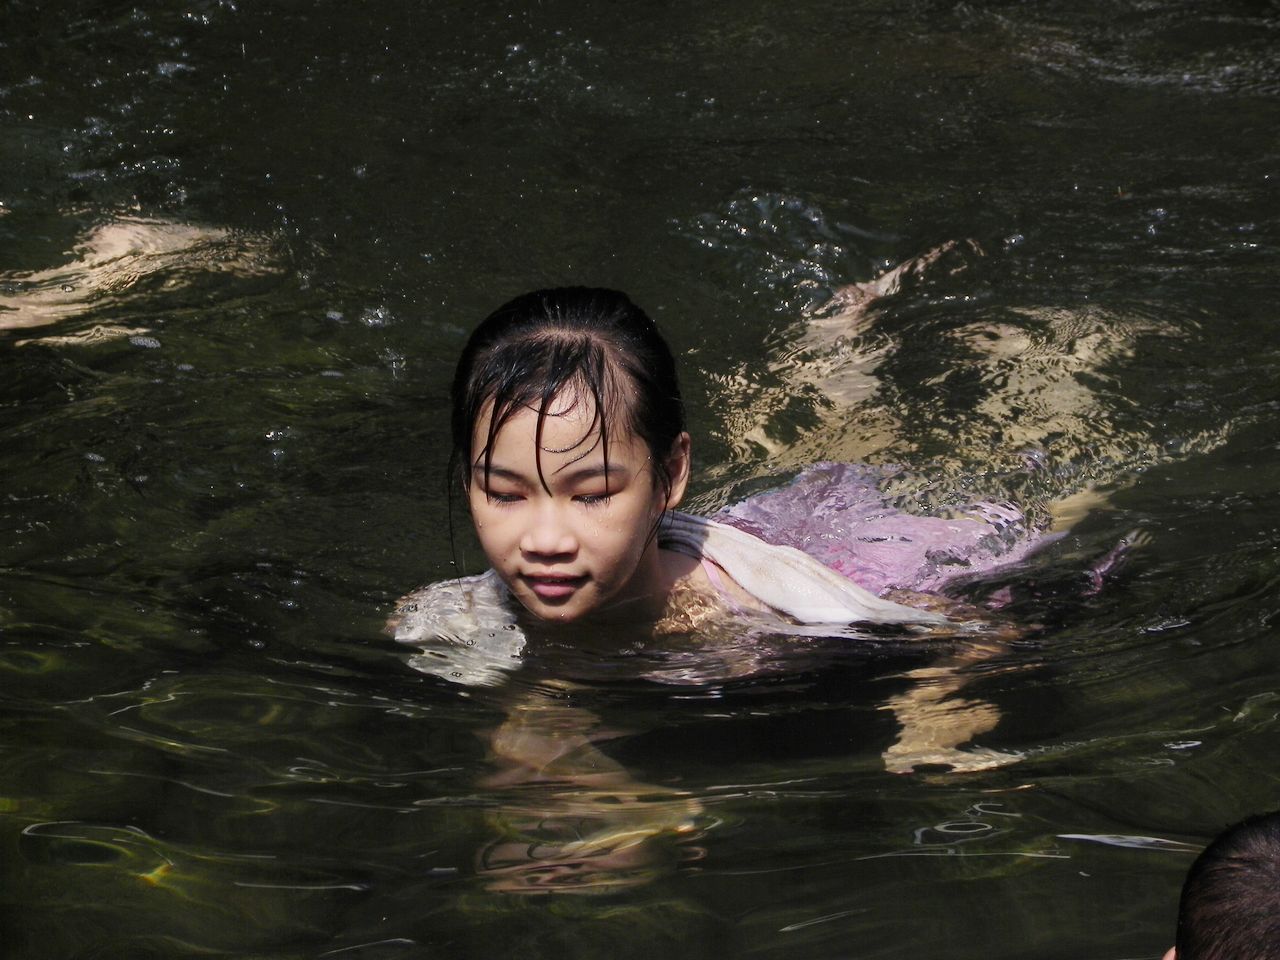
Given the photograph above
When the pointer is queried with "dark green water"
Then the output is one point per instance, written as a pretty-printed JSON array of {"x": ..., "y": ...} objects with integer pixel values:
[{"x": 240, "y": 245}]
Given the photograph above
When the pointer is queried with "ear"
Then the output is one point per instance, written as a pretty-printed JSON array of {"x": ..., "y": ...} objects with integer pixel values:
[
  {"x": 677, "y": 465},
  {"x": 1170, "y": 954}
]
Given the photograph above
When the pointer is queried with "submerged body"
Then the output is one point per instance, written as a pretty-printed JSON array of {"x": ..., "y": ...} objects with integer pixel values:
[
  {"x": 569, "y": 442},
  {"x": 839, "y": 514},
  {"x": 830, "y": 548}
]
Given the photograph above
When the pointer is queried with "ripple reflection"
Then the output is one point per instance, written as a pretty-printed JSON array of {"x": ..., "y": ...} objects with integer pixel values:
[{"x": 116, "y": 259}]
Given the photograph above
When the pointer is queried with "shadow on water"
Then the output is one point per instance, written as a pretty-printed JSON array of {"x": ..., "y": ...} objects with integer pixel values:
[{"x": 240, "y": 246}]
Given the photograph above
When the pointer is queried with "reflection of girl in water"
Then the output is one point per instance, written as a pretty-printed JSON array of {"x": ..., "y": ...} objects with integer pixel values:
[{"x": 570, "y": 445}]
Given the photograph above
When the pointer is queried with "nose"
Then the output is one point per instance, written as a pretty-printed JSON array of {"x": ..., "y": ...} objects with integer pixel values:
[{"x": 549, "y": 534}]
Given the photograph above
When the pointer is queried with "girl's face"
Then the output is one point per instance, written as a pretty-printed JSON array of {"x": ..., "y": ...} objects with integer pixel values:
[{"x": 581, "y": 548}]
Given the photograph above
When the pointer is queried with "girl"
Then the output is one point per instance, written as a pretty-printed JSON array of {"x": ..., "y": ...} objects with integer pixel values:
[{"x": 569, "y": 442}]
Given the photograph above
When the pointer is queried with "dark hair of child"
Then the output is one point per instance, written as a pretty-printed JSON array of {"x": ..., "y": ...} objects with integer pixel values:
[
  {"x": 1230, "y": 905},
  {"x": 594, "y": 343}
]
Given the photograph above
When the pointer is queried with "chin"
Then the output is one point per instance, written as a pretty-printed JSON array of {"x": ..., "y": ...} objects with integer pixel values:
[
  {"x": 548, "y": 613},
  {"x": 557, "y": 616}
]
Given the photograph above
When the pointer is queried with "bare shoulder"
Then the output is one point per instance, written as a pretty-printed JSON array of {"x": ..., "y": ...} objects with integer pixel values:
[{"x": 697, "y": 580}]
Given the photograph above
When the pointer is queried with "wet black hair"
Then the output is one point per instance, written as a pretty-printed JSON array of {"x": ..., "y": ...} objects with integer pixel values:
[
  {"x": 593, "y": 342},
  {"x": 1230, "y": 904}
]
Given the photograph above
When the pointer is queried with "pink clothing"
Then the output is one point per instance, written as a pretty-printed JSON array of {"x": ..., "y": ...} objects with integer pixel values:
[
  {"x": 716, "y": 576},
  {"x": 837, "y": 513},
  {"x": 713, "y": 574}
]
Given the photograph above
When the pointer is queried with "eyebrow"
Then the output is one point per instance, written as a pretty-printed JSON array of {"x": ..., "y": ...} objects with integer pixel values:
[
  {"x": 590, "y": 473},
  {"x": 575, "y": 476},
  {"x": 494, "y": 470}
]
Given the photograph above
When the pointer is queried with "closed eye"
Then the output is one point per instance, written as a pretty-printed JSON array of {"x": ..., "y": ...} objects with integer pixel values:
[
  {"x": 495, "y": 497},
  {"x": 593, "y": 499}
]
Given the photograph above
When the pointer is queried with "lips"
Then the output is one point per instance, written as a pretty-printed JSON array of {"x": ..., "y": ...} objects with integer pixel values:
[{"x": 549, "y": 587}]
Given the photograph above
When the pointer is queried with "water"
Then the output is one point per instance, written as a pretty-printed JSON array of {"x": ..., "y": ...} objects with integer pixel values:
[{"x": 240, "y": 245}]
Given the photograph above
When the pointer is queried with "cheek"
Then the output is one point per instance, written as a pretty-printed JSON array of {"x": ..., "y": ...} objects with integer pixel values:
[
  {"x": 486, "y": 522},
  {"x": 630, "y": 535}
]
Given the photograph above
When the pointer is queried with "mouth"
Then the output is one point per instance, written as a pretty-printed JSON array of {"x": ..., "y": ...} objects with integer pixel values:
[{"x": 549, "y": 587}]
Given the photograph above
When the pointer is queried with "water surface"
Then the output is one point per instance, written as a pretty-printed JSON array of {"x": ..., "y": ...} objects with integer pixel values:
[{"x": 240, "y": 246}]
